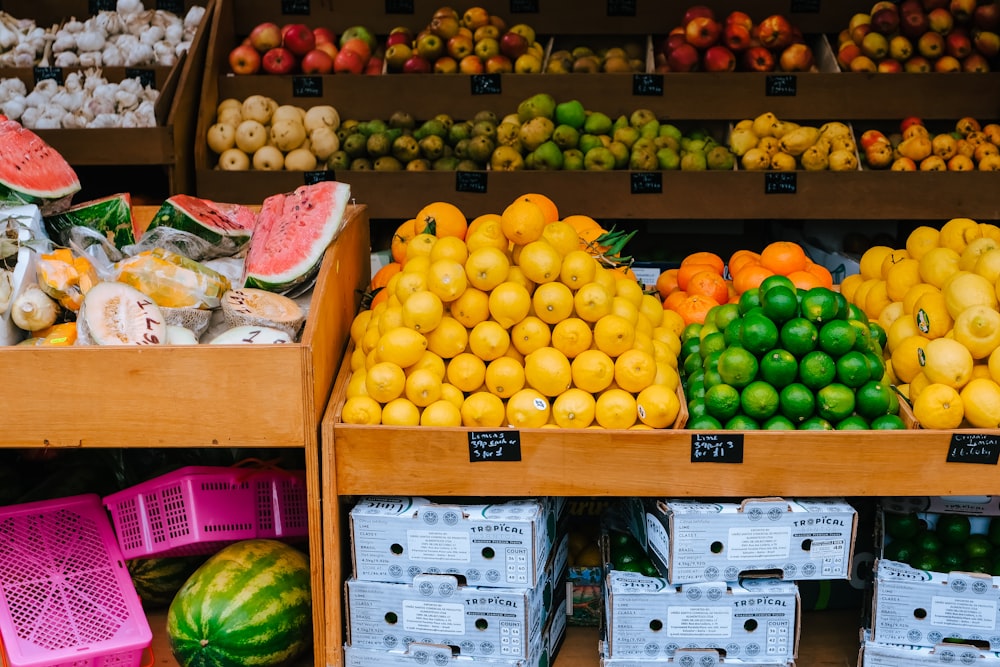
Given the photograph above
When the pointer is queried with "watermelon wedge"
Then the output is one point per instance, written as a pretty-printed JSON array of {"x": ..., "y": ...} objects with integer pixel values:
[
  {"x": 112, "y": 216},
  {"x": 31, "y": 171},
  {"x": 291, "y": 234},
  {"x": 215, "y": 222}
]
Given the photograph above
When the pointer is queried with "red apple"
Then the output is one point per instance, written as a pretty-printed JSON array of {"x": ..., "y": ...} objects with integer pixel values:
[
  {"x": 886, "y": 20},
  {"x": 683, "y": 59},
  {"x": 739, "y": 18},
  {"x": 674, "y": 39},
  {"x": 328, "y": 48},
  {"x": 348, "y": 61},
  {"x": 736, "y": 36},
  {"x": 299, "y": 39},
  {"x": 359, "y": 45},
  {"x": 718, "y": 58},
  {"x": 774, "y": 32},
  {"x": 909, "y": 122},
  {"x": 913, "y": 23},
  {"x": 962, "y": 10},
  {"x": 513, "y": 45},
  {"x": 869, "y": 137},
  {"x": 917, "y": 64},
  {"x": 697, "y": 11},
  {"x": 278, "y": 60},
  {"x": 417, "y": 64},
  {"x": 498, "y": 64},
  {"x": 987, "y": 16},
  {"x": 934, "y": 4},
  {"x": 374, "y": 66},
  {"x": 399, "y": 35},
  {"x": 947, "y": 63},
  {"x": 244, "y": 59},
  {"x": 931, "y": 44},
  {"x": 957, "y": 43},
  {"x": 758, "y": 59},
  {"x": 975, "y": 62},
  {"x": 265, "y": 36},
  {"x": 702, "y": 32},
  {"x": 324, "y": 35},
  {"x": 316, "y": 62},
  {"x": 458, "y": 47},
  {"x": 471, "y": 65},
  {"x": 889, "y": 66},
  {"x": 987, "y": 43},
  {"x": 940, "y": 20},
  {"x": 796, "y": 58},
  {"x": 445, "y": 65}
]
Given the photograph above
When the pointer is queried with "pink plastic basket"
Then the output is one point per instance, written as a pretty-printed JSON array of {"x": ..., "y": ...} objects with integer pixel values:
[
  {"x": 66, "y": 598},
  {"x": 200, "y": 509}
]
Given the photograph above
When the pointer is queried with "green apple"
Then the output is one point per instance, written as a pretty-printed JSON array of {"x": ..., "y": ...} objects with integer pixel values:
[
  {"x": 548, "y": 156},
  {"x": 570, "y": 113},
  {"x": 694, "y": 161},
  {"x": 588, "y": 141},
  {"x": 626, "y": 135},
  {"x": 599, "y": 159}
]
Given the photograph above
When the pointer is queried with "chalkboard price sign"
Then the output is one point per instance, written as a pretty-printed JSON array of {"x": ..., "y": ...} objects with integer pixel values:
[
  {"x": 780, "y": 183},
  {"x": 716, "y": 448},
  {"x": 621, "y": 7},
  {"x": 974, "y": 448},
  {"x": 399, "y": 7},
  {"x": 486, "y": 84},
  {"x": 470, "y": 181},
  {"x": 523, "y": 6},
  {"x": 781, "y": 85},
  {"x": 494, "y": 446},
  {"x": 96, "y": 6},
  {"x": 54, "y": 73},
  {"x": 805, "y": 7},
  {"x": 307, "y": 86},
  {"x": 295, "y": 7},
  {"x": 647, "y": 182},
  {"x": 146, "y": 76},
  {"x": 318, "y": 176},
  {"x": 647, "y": 85},
  {"x": 172, "y": 6}
]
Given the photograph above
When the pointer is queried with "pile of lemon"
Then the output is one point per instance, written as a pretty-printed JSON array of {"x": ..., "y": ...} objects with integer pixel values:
[
  {"x": 937, "y": 299},
  {"x": 512, "y": 319}
]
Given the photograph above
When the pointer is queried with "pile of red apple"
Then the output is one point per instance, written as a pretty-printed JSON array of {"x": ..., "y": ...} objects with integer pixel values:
[
  {"x": 471, "y": 42},
  {"x": 295, "y": 48},
  {"x": 922, "y": 36},
  {"x": 706, "y": 42}
]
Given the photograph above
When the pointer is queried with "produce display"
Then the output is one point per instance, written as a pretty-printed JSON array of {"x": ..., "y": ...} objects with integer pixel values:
[
  {"x": 937, "y": 300},
  {"x": 967, "y": 146},
  {"x": 943, "y": 542},
  {"x": 295, "y": 48},
  {"x": 585, "y": 58},
  {"x": 767, "y": 143},
  {"x": 707, "y": 42},
  {"x": 921, "y": 36},
  {"x": 521, "y": 318}
]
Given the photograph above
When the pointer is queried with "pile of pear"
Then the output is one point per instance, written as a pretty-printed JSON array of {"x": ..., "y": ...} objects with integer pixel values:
[
  {"x": 767, "y": 143},
  {"x": 630, "y": 56}
]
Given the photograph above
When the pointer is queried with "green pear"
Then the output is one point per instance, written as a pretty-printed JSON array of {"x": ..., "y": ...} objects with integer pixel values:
[
  {"x": 570, "y": 113},
  {"x": 433, "y": 126},
  {"x": 459, "y": 131},
  {"x": 720, "y": 158},
  {"x": 539, "y": 105},
  {"x": 338, "y": 160},
  {"x": 378, "y": 144},
  {"x": 387, "y": 163},
  {"x": 668, "y": 158},
  {"x": 566, "y": 136},
  {"x": 650, "y": 129},
  {"x": 671, "y": 130},
  {"x": 507, "y": 133},
  {"x": 548, "y": 156},
  {"x": 640, "y": 117},
  {"x": 484, "y": 127},
  {"x": 597, "y": 123},
  {"x": 405, "y": 148},
  {"x": 505, "y": 158},
  {"x": 694, "y": 161},
  {"x": 619, "y": 122},
  {"x": 588, "y": 141},
  {"x": 572, "y": 159},
  {"x": 643, "y": 160},
  {"x": 480, "y": 148},
  {"x": 420, "y": 164},
  {"x": 402, "y": 119},
  {"x": 361, "y": 164},
  {"x": 432, "y": 147},
  {"x": 644, "y": 144},
  {"x": 628, "y": 135},
  {"x": 666, "y": 141},
  {"x": 535, "y": 132},
  {"x": 468, "y": 165},
  {"x": 461, "y": 149},
  {"x": 445, "y": 163},
  {"x": 621, "y": 153},
  {"x": 599, "y": 159}
]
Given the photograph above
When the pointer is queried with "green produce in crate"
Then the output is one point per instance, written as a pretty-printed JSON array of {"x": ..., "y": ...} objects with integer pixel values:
[
  {"x": 111, "y": 215},
  {"x": 629, "y": 556}
]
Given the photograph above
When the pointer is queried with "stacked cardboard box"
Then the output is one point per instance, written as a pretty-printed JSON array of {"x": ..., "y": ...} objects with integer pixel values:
[
  {"x": 455, "y": 583},
  {"x": 728, "y": 584}
]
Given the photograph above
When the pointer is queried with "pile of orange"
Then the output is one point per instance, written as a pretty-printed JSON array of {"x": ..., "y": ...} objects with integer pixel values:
[
  {"x": 701, "y": 282},
  {"x": 513, "y": 318}
]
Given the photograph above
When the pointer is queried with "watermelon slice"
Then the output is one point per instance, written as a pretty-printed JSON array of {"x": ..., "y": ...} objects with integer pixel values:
[
  {"x": 215, "y": 222},
  {"x": 112, "y": 216},
  {"x": 31, "y": 171},
  {"x": 292, "y": 233}
]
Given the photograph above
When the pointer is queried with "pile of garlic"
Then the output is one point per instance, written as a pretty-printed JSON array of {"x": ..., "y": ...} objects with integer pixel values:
[
  {"x": 86, "y": 100},
  {"x": 22, "y": 42}
]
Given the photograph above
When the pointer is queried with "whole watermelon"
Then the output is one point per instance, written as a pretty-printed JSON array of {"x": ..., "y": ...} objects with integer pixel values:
[
  {"x": 248, "y": 605},
  {"x": 157, "y": 580}
]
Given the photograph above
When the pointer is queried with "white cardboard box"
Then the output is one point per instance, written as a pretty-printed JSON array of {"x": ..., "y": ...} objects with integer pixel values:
[
  {"x": 506, "y": 544},
  {"x": 647, "y": 618},
  {"x": 792, "y": 539},
  {"x": 888, "y": 655},
  {"x": 922, "y": 608},
  {"x": 694, "y": 657}
]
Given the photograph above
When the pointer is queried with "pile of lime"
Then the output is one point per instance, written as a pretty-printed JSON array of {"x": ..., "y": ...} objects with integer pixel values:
[
  {"x": 783, "y": 358},
  {"x": 628, "y": 555},
  {"x": 945, "y": 543}
]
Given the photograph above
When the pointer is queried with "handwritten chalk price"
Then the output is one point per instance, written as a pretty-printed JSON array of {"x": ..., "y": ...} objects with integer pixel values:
[
  {"x": 399, "y": 7},
  {"x": 494, "y": 446},
  {"x": 974, "y": 448},
  {"x": 523, "y": 6},
  {"x": 716, "y": 448},
  {"x": 780, "y": 183},
  {"x": 296, "y": 7},
  {"x": 307, "y": 86},
  {"x": 781, "y": 85}
]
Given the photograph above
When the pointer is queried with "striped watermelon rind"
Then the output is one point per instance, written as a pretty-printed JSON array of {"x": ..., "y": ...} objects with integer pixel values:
[
  {"x": 214, "y": 222},
  {"x": 157, "y": 580},
  {"x": 111, "y": 215},
  {"x": 248, "y": 605},
  {"x": 31, "y": 171}
]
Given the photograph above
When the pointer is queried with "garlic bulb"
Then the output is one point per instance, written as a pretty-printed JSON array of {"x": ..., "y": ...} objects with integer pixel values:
[
  {"x": 67, "y": 59},
  {"x": 129, "y": 6},
  {"x": 72, "y": 26},
  {"x": 90, "y": 59},
  {"x": 30, "y": 116},
  {"x": 152, "y": 35},
  {"x": 65, "y": 41},
  {"x": 112, "y": 56},
  {"x": 14, "y": 107},
  {"x": 91, "y": 40}
]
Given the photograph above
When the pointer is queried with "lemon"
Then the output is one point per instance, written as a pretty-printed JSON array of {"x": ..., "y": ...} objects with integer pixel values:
[
  {"x": 938, "y": 264},
  {"x": 978, "y": 329},
  {"x": 361, "y": 410},
  {"x": 966, "y": 289},
  {"x": 958, "y": 233},
  {"x": 527, "y": 408},
  {"x": 657, "y": 406},
  {"x": 948, "y": 362},
  {"x": 981, "y": 399},
  {"x": 939, "y": 406}
]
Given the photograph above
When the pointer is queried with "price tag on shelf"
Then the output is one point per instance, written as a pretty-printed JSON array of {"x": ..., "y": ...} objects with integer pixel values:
[
  {"x": 716, "y": 448},
  {"x": 54, "y": 73},
  {"x": 172, "y": 6},
  {"x": 296, "y": 7},
  {"x": 621, "y": 7},
  {"x": 399, "y": 7},
  {"x": 646, "y": 182},
  {"x": 805, "y": 7},
  {"x": 318, "y": 175},
  {"x": 523, "y": 6},
  {"x": 96, "y": 6},
  {"x": 146, "y": 76},
  {"x": 974, "y": 448},
  {"x": 780, "y": 183},
  {"x": 307, "y": 86},
  {"x": 781, "y": 85},
  {"x": 494, "y": 446},
  {"x": 485, "y": 84},
  {"x": 470, "y": 181},
  {"x": 647, "y": 85}
]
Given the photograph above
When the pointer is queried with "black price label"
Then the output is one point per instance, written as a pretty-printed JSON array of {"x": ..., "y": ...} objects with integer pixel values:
[
  {"x": 621, "y": 7},
  {"x": 147, "y": 77},
  {"x": 716, "y": 448},
  {"x": 485, "y": 84},
  {"x": 494, "y": 446},
  {"x": 804, "y": 7},
  {"x": 470, "y": 181},
  {"x": 974, "y": 448},
  {"x": 650, "y": 85},
  {"x": 296, "y": 7},
  {"x": 399, "y": 7},
  {"x": 54, "y": 73},
  {"x": 523, "y": 6},
  {"x": 780, "y": 183},
  {"x": 318, "y": 176},
  {"x": 95, "y": 6},
  {"x": 172, "y": 6},
  {"x": 307, "y": 86},
  {"x": 646, "y": 182},
  {"x": 781, "y": 85}
]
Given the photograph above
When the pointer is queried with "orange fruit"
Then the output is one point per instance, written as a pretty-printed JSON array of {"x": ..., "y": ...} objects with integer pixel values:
[
  {"x": 674, "y": 300},
  {"x": 441, "y": 219},
  {"x": 709, "y": 283},
  {"x": 804, "y": 279},
  {"x": 742, "y": 258},
  {"x": 522, "y": 222},
  {"x": 402, "y": 236},
  {"x": 705, "y": 257},
  {"x": 666, "y": 282},
  {"x": 822, "y": 273},
  {"x": 549, "y": 208},
  {"x": 695, "y": 307},
  {"x": 749, "y": 277},
  {"x": 581, "y": 222},
  {"x": 783, "y": 257},
  {"x": 686, "y": 271},
  {"x": 588, "y": 240},
  {"x": 381, "y": 277}
]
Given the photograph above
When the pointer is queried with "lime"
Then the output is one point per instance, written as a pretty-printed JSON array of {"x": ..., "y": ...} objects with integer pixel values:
[
  {"x": 797, "y": 402},
  {"x": 713, "y": 342},
  {"x": 901, "y": 525},
  {"x": 928, "y": 541},
  {"x": 712, "y": 378},
  {"x": 776, "y": 280},
  {"x": 692, "y": 363},
  {"x": 799, "y": 336},
  {"x": 852, "y": 423},
  {"x": 689, "y": 346},
  {"x": 817, "y": 369},
  {"x": 749, "y": 300},
  {"x": 981, "y": 565},
  {"x": 978, "y": 546},
  {"x": 878, "y": 333},
  {"x": 853, "y": 369},
  {"x": 724, "y": 314},
  {"x": 722, "y": 401},
  {"x": 704, "y": 423},
  {"x": 819, "y": 305},
  {"x": 873, "y": 399},
  {"x": 834, "y": 402},
  {"x": 779, "y": 368},
  {"x": 759, "y": 400},
  {"x": 711, "y": 362},
  {"x": 738, "y": 367},
  {"x": 694, "y": 378},
  {"x": 692, "y": 330},
  {"x": 733, "y": 332},
  {"x": 843, "y": 306},
  {"x": 695, "y": 390},
  {"x": 815, "y": 424},
  {"x": 863, "y": 335},
  {"x": 759, "y": 334},
  {"x": 696, "y": 408},
  {"x": 926, "y": 560},
  {"x": 876, "y": 366},
  {"x": 888, "y": 423},
  {"x": 901, "y": 550},
  {"x": 709, "y": 325},
  {"x": 953, "y": 558},
  {"x": 778, "y": 423},
  {"x": 993, "y": 532},
  {"x": 854, "y": 312},
  {"x": 837, "y": 337},
  {"x": 953, "y": 529},
  {"x": 742, "y": 422},
  {"x": 780, "y": 303}
]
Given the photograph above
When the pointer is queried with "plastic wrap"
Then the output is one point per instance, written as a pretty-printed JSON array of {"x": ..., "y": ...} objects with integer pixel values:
[{"x": 172, "y": 280}]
